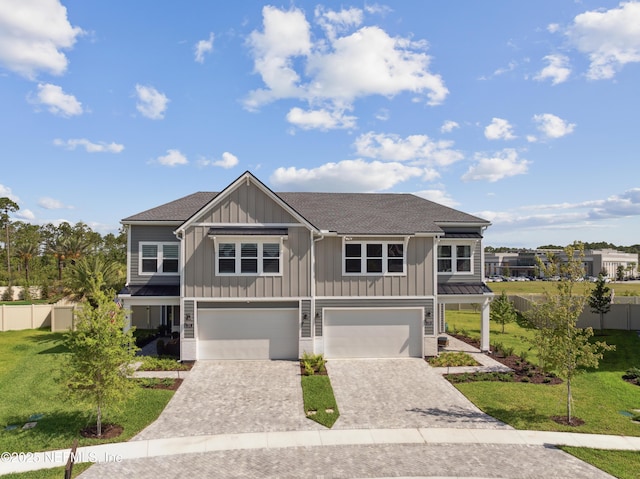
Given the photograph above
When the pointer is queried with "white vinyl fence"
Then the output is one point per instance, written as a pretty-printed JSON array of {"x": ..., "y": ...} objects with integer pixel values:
[
  {"x": 33, "y": 316},
  {"x": 624, "y": 313}
]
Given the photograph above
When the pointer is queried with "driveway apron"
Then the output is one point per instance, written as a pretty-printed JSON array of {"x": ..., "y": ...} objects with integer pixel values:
[
  {"x": 226, "y": 397},
  {"x": 400, "y": 393}
]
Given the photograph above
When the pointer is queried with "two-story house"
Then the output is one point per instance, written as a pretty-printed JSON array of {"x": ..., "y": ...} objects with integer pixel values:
[{"x": 247, "y": 273}]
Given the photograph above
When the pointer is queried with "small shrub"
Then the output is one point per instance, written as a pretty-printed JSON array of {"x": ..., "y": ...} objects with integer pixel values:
[
  {"x": 313, "y": 363},
  {"x": 524, "y": 355},
  {"x": 632, "y": 373},
  {"x": 507, "y": 351},
  {"x": 525, "y": 380},
  {"x": 7, "y": 295},
  {"x": 452, "y": 359}
]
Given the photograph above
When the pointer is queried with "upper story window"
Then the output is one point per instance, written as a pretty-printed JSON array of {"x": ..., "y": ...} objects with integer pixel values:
[
  {"x": 375, "y": 258},
  {"x": 455, "y": 258},
  {"x": 249, "y": 257},
  {"x": 159, "y": 258}
]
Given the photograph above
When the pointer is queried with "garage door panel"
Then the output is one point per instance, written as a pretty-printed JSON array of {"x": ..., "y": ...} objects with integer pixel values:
[
  {"x": 248, "y": 334},
  {"x": 373, "y": 333}
]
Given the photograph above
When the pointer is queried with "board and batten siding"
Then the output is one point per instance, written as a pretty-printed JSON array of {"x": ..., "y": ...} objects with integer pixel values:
[
  {"x": 476, "y": 277},
  {"x": 245, "y": 205},
  {"x": 154, "y": 234},
  {"x": 201, "y": 281},
  {"x": 418, "y": 280}
]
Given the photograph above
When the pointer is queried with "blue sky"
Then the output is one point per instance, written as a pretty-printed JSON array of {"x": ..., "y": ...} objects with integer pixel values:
[{"x": 524, "y": 113}]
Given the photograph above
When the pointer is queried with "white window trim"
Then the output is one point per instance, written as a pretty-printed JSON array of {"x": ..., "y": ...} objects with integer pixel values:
[
  {"x": 260, "y": 241},
  {"x": 159, "y": 258},
  {"x": 453, "y": 244},
  {"x": 385, "y": 257}
]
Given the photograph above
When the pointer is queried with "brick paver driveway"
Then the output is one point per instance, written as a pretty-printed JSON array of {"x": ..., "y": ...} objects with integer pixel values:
[
  {"x": 226, "y": 397},
  {"x": 399, "y": 393}
]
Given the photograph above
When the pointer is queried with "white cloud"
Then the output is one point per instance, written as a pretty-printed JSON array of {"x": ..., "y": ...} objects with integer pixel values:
[
  {"x": 33, "y": 34},
  {"x": 320, "y": 119},
  {"x": 25, "y": 214},
  {"x": 383, "y": 114},
  {"x": 151, "y": 103},
  {"x": 52, "y": 204},
  {"x": 391, "y": 147},
  {"x": 553, "y": 27},
  {"x": 90, "y": 147},
  {"x": 203, "y": 47},
  {"x": 228, "y": 161},
  {"x": 589, "y": 213},
  {"x": 553, "y": 126},
  {"x": 499, "y": 129},
  {"x": 438, "y": 196},
  {"x": 557, "y": 69},
  {"x": 5, "y": 191},
  {"x": 57, "y": 101},
  {"x": 348, "y": 175},
  {"x": 330, "y": 73},
  {"x": 502, "y": 165},
  {"x": 172, "y": 158},
  {"x": 337, "y": 22},
  {"x": 610, "y": 38},
  {"x": 448, "y": 126}
]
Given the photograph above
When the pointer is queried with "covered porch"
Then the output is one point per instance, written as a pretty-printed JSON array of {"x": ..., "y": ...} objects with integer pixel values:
[{"x": 466, "y": 293}]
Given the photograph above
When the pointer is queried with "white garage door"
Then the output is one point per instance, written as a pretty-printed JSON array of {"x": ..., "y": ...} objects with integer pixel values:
[
  {"x": 248, "y": 334},
  {"x": 373, "y": 333}
]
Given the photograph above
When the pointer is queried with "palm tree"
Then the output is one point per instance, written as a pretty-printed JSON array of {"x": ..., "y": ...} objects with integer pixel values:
[{"x": 92, "y": 273}]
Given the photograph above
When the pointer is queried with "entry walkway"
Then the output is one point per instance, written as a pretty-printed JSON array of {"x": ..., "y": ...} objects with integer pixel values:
[{"x": 483, "y": 447}]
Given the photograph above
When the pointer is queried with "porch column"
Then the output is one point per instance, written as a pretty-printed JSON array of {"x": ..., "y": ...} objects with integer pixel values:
[
  {"x": 484, "y": 326},
  {"x": 127, "y": 317}
]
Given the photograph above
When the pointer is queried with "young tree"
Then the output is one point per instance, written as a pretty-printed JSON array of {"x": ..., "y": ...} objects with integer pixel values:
[
  {"x": 502, "y": 310},
  {"x": 562, "y": 346},
  {"x": 600, "y": 299},
  {"x": 620, "y": 273},
  {"x": 101, "y": 355}
]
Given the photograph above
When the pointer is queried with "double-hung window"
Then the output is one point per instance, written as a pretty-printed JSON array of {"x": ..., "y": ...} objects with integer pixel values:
[
  {"x": 455, "y": 258},
  {"x": 374, "y": 258},
  {"x": 159, "y": 258},
  {"x": 248, "y": 257}
]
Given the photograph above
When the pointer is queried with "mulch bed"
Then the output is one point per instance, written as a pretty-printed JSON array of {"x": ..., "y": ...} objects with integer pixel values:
[
  {"x": 575, "y": 421},
  {"x": 523, "y": 371},
  {"x": 109, "y": 431},
  {"x": 315, "y": 372}
]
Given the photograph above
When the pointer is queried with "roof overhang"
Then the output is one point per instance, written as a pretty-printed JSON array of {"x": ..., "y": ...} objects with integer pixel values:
[{"x": 246, "y": 231}]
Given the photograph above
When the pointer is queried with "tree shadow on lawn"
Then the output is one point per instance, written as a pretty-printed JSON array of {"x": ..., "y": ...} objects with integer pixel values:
[
  {"x": 514, "y": 417},
  {"x": 54, "y": 430},
  {"x": 455, "y": 415},
  {"x": 53, "y": 339}
]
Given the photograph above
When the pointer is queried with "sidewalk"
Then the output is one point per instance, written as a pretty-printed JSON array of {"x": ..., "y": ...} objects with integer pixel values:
[{"x": 118, "y": 452}]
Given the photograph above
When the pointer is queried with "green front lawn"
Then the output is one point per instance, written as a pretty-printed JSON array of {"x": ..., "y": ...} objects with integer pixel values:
[
  {"x": 30, "y": 362},
  {"x": 601, "y": 397},
  {"x": 621, "y": 464},
  {"x": 319, "y": 402}
]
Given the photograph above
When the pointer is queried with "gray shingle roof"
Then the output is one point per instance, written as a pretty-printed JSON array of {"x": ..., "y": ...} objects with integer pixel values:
[{"x": 345, "y": 213}]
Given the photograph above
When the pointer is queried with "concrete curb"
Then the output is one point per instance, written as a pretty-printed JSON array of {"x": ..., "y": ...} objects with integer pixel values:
[{"x": 117, "y": 452}]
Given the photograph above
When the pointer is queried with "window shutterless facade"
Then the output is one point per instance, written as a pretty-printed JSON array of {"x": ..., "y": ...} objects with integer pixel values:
[
  {"x": 374, "y": 258},
  {"x": 159, "y": 258},
  {"x": 250, "y": 257},
  {"x": 455, "y": 258}
]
